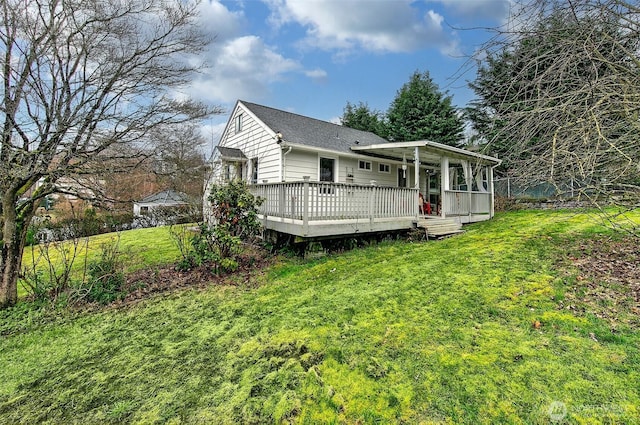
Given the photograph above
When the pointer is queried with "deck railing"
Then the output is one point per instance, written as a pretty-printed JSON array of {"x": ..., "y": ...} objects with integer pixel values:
[
  {"x": 461, "y": 202},
  {"x": 313, "y": 201}
]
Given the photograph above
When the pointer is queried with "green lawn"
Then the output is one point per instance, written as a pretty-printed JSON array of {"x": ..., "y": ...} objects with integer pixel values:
[
  {"x": 140, "y": 249},
  {"x": 437, "y": 332}
]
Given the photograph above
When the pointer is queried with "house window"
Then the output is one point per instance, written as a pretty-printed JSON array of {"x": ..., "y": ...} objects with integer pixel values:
[
  {"x": 364, "y": 165},
  {"x": 384, "y": 168},
  {"x": 144, "y": 210},
  {"x": 254, "y": 171},
  {"x": 327, "y": 169},
  {"x": 239, "y": 123},
  {"x": 230, "y": 172},
  {"x": 327, "y": 174}
]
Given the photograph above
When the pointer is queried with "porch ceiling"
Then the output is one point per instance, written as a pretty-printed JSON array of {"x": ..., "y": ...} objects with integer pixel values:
[{"x": 429, "y": 151}]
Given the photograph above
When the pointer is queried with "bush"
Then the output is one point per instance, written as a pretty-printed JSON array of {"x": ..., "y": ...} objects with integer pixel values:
[
  {"x": 90, "y": 224},
  {"x": 106, "y": 276},
  {"x": 49, "y": 273},
  {"x": 234, "y": 215}
]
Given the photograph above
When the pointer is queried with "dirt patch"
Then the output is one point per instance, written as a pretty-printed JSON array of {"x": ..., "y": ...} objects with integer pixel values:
[
  {"x": 607, "y": 283},
  {"x": 144, "y": 283}
]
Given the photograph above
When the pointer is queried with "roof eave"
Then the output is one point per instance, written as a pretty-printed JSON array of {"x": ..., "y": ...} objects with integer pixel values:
[{"x": 434, "y": 146}]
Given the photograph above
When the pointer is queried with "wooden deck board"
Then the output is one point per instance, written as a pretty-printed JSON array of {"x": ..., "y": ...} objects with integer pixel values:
[
  {"x": 434, "y": 226},
  {"x": 321, "y": 228}
]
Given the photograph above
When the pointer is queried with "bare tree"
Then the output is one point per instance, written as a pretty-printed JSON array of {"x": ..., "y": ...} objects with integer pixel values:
[
  {"x": 81, "y": 78},
  {"x": 179, "y": 161},
  {"x": 559, "y": 98}
]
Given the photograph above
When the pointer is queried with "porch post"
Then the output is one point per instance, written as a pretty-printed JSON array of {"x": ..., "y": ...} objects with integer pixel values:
[
  {"x": 444, "y": 184},
  {"x": 468, "y": 179},
  {"x": 305, "y": 205},
  {"x": 372, "y": 202},
  {"x": 491, "y": 191},
  {"x": 416, "y": 178},
  {"x": 416, "y": 164}
]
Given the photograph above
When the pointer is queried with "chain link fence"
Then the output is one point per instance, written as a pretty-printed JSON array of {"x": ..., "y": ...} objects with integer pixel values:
[{"x": 507, "y": 187}]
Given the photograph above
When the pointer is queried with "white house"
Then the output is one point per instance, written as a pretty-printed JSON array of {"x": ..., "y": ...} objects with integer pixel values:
[
  {"x": 321, "y": 179},
  {"x": 164, "y": 199}
]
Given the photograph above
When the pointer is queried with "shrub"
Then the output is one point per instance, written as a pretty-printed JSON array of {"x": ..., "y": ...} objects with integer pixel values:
[
  {"x": 49, "y": 273},
  {"x": 234, "y": 215},
  {"x": 105, "y": 276}
]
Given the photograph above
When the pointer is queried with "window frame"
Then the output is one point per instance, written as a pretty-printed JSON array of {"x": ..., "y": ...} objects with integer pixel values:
[
  {"x": 334, "y": 172},
  {"x": 365, "y": 163},
  {"x": 387, "y": 167},
  {"x": 238, "y": 123}
]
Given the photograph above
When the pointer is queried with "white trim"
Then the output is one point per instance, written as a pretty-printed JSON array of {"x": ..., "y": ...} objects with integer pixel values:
[
  {"x": 326, "y": 152},
  {"x": 387, "y": 165},
  {"x": 435, "y": 146}
]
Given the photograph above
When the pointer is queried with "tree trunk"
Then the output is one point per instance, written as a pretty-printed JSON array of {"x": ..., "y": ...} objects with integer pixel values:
[{"x": 13, "y": 238}]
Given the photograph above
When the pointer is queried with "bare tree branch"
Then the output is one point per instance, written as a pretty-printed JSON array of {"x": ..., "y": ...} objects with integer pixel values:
[{"x": 80, "y": 78}]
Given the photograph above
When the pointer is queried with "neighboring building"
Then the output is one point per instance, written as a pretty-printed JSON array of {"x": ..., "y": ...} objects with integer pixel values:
[
  {"x": 164, "y": 199},
  {"x": 70, "y": 192},
  {"x": 321, "y": 179}
]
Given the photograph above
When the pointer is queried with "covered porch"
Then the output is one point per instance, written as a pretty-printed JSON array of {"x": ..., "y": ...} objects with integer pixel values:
[
  {"x": 463, "y": 179},
  {"x": 312, "y": 209}
]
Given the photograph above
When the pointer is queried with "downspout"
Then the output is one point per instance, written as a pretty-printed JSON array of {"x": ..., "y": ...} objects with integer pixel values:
[{"x": 284, "y": 162}]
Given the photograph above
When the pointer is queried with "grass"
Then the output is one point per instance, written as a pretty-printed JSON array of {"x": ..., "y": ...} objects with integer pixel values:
[
  {"x": 438, "y": 332},
  {"x": 142, "y": 248}
]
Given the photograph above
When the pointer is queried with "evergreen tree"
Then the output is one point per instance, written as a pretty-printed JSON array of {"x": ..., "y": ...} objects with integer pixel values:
[
  {"x": 361, "y": 117},
  {"x": 421, "y": 112},
  {"x": 558, "y": 99}
]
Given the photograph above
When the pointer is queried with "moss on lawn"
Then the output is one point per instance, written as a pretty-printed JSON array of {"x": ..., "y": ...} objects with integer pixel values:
[{"x": 464, "y": 330}]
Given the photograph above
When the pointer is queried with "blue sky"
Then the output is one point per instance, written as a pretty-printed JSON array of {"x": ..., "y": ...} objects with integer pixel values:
[{"x": 312, "y": 56}]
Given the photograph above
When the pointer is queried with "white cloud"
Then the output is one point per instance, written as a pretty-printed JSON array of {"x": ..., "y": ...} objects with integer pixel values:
[
  {"x": 238, "y": 65},
  {"x": 212, "y": 133},
  {"x": 243, "y": 67},
  {"x": 317, "y": 75},
  {"x": 379, "y": 26},
  {"x": 219, "y": 21}
]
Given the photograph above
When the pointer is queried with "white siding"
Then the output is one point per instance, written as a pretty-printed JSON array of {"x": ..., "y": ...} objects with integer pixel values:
[
  {"x": 365, "y": 176},
  {"x": 255, "y": 141},
  {"x": 300, "y": 163}
]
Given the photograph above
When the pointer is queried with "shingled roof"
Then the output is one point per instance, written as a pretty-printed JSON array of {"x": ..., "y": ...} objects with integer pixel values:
[
  {"x": 301, "y": 130},
  {"x": 165, "y": 197},
  {"x": 231, "y": 153}
]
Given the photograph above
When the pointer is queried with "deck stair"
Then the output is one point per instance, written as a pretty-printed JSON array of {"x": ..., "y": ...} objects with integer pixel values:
[{"x": 436, "y": 227}]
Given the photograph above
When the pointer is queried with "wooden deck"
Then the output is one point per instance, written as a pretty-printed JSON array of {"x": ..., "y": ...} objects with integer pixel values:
[
  {"x": 314, "y": 210},
  {"x": 434, "y": 226}
]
